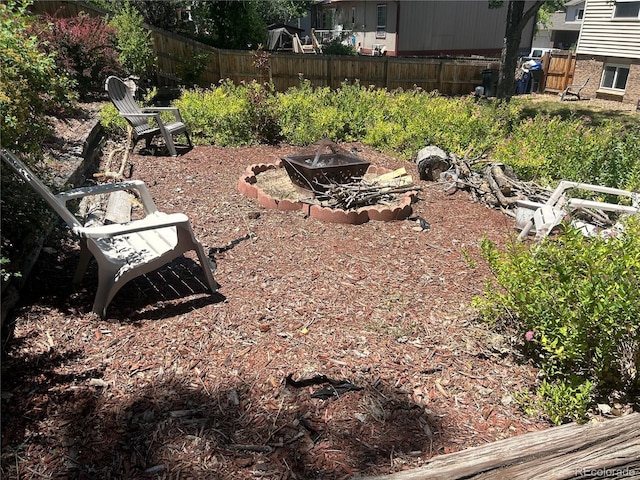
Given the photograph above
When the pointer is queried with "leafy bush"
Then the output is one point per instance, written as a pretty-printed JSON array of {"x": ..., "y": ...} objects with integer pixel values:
[
  {"x": 306, "y": 114},
  {"x": 133, "y": 42},
  {"x": 550, "y": 148},
  {"x": 112, "y": 123},
  {"x": 575, "y": 301},
  {"x": 220, "y": 115},
  {"x": 30, "y": 87},
  {"x": 337, "y": 47},
  {"x": 84, "y": 49},
  {"x": 414, "y": 119},
  {"x": 262, "y": 113}
]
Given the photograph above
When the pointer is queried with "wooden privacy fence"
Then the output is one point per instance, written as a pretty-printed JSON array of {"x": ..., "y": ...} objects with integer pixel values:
[
  {"x": 180, "y": 57},
  {"x": 449, "y": 76}
]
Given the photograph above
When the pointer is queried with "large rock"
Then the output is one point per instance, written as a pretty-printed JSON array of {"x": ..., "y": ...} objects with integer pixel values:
[{"x": 431, "y": 162}]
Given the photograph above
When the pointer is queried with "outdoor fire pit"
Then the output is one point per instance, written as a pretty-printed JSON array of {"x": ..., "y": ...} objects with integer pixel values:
[{"x": 324, "y": 163}]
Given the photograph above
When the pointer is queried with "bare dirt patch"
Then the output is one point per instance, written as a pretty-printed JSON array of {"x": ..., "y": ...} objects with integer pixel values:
[{"x": 180, "y": 383}]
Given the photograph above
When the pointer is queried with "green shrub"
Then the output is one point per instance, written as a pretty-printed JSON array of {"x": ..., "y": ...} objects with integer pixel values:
[
  {"x": 263, "y": 113},
  {"x": 548, "y": 149},
  {"x": 564, "y": 401},
  {"x": 112, "y": 123},
  {"x": 359, "y": 109},
  {"x": 336, "y": 47},
  {"x": 220, "y": 115},
  {"x": 306, "y": 115},
  {"x": 30, "y": 86},
  {"x": 414, "y": 119},
  {"x": 575, "y": 301}
]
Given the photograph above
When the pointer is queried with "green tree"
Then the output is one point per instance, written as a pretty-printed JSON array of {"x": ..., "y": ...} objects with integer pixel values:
[
  {"x": 282, "y": 11},
  {"x": 517, "y": 20},
  {"x": 133, "y": 42},
  {"x": 230, "y": 24}
]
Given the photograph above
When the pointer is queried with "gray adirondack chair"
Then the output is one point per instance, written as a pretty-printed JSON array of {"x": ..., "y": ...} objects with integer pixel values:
[
  {"x": 138, "y": 117},
  {"x": 122, "y": 251}
]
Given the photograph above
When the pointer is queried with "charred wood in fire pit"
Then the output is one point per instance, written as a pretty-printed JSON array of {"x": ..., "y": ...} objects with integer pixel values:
[{"x": 353, "y": 195}]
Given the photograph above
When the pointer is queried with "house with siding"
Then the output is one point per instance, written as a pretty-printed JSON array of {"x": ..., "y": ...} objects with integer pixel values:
[
  {"x": 564, "y": 29},
  {"x": 608, "y": 51},
  {"x": 418, "y": 28}
]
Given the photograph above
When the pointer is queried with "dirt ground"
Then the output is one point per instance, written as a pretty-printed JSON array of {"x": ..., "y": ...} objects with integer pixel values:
[{"x": 179, "y": 383}]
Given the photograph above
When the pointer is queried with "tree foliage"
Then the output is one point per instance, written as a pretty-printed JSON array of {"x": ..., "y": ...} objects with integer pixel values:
[
  {"x": 133, "y": 42},
  {"x": 518, "y": 16},
  {"x": 229, "y": 24}
]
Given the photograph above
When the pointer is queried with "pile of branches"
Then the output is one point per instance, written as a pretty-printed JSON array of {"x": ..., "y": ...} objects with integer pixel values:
[
  {"x": 361, "y": 193},
  {"x": 494, "y": 184},
  {"x": 491, "y": 183}
]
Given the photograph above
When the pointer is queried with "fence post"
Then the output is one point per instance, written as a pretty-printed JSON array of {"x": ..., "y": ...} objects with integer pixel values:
[
  {"x": 546, "y": 61},
  {"x": 386, "y": 72},
  {"x": 565, "y": 78}
]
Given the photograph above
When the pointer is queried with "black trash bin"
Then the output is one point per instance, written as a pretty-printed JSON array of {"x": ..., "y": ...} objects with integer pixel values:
[
  {"x": 536, "y": 80},
  {"x": 490, "y": 82}
]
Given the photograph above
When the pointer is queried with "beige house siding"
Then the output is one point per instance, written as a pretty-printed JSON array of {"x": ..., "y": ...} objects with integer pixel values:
[
  {"x": 601, "y": 34},
  {"x": 605, "y": 40},
  {"x": 588, "y": 66}
]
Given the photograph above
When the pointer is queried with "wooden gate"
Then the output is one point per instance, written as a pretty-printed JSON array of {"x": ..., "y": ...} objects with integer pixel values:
[{"x": 558, "y": 67}]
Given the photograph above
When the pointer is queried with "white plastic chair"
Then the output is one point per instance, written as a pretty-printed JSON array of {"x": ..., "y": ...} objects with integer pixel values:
[{"x": 122, "y": 251}]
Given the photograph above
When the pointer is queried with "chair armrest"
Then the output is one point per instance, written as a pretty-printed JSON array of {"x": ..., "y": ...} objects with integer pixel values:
[
  {"x": 141, "y": 114},
  {"x": 152, "y": 222},
  {"x": 174, "y": 110},
  {"x": 137, "y": 185}
]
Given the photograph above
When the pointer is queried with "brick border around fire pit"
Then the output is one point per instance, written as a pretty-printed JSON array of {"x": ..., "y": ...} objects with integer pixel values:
[{"x": 247, "y": 185}]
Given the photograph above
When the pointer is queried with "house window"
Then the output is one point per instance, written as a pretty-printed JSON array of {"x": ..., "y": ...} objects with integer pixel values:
[
  {"x": 381, "y": 27},
  {"x": 614, "y": 77},
  {"x": 626, "y": 9},
  {"x": 580, "y": 14}
]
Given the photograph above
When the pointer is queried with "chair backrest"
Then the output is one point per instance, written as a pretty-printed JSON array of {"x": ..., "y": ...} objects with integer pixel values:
[
  {"x": 122, "y": 98},
  {"x": 40, "y": 188}
]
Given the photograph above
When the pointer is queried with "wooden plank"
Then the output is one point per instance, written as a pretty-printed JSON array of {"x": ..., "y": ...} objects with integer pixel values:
[
  {"x": 607, "y": 449},
  {"x": 118, "y": 207}
]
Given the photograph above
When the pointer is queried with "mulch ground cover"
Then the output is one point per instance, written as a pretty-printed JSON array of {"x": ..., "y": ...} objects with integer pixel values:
[{"x": 330, "y": 351}]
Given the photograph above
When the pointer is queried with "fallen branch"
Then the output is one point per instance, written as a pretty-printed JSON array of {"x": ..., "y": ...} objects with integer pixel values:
[{"x": 119, "y": 175}]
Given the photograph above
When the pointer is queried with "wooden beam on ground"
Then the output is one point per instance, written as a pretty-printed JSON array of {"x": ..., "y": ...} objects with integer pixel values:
[
  {"x": 119, "y": 207},
  {"x": 607, "y": 449}
]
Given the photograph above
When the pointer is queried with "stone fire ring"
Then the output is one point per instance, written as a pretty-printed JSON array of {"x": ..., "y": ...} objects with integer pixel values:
[{"x": 247, "y": 185}]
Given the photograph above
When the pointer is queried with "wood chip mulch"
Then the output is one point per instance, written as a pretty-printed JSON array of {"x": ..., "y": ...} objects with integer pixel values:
[{"x": 178, "y": 383}]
